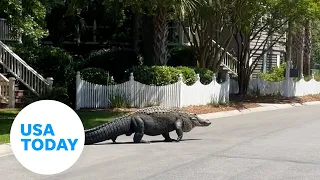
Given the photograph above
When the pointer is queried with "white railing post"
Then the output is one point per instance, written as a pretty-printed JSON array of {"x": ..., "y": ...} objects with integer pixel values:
[
  {"x": 288, "y": 81},
  {"x": 50, "y": 83},
  {"x": 313, "y": 84},
  {"x": 180, "y": 90},
  {"x": 132, "y": 92},
  {"x": 12, "y": 98},
  {"x": 78, "y": 91},
  {"x": 226, "y": 93}
]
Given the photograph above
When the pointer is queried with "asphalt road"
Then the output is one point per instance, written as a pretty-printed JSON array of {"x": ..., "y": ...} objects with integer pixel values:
[{"x": 274, "y": 145}]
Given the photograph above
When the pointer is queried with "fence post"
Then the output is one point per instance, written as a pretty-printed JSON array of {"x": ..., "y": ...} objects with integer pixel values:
[
  {"x": 12, "y": 98},
  {"x": 197, "y": 77},
  {"x": 227, "y": 93},
  {"x": 313, "y": 85},
  {"x": 132, "y": 91},
  {"x": 50, "y": 82},
  {"x": 78, "y": 91},
  {"x": 180, "y": 78}
]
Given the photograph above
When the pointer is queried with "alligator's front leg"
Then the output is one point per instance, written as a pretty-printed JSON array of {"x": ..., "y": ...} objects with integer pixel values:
[
  {"x": 179, "y": 131},
  {"x": 167, "y": 137},
  {"x": 114, "y": 139},
  {"x": 138, "y": 127}
]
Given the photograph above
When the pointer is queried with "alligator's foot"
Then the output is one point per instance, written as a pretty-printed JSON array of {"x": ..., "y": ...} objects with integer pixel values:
[
  {"x": 142, "y": 141},
  {"x": 169, "y": 140},
  {"x": 114, "y": 140}
]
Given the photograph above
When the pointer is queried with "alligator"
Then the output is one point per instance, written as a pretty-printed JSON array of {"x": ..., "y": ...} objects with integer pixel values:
[{"x": 151, "y": 121}]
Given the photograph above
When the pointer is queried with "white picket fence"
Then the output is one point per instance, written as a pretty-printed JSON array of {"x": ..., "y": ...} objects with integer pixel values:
[
  {"x": 288, "y": 88},
  {"x": 136, "y": 94}
]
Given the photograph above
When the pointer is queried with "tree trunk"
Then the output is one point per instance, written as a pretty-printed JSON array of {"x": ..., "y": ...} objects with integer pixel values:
[
  {"x": 243, "y": 64},
  {"x": 289, "y": 43},
  {"x": 160, "y": 36},
  {"x": 307, "y": 49},
  {"x": 135, "y": 31},
  {"x": 301, "y": 51},
  {"x": 147, "y": 37}
]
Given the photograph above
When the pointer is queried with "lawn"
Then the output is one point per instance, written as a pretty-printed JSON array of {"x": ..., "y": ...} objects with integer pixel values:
[{"x": 89, "y": 120}]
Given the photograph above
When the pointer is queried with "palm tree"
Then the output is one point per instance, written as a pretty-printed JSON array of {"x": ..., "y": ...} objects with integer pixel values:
[{"x": 162, "y": 12}]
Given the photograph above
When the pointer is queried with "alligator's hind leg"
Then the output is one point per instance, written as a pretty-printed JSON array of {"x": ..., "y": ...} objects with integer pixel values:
[
  {"x": 167, "y": 137},
  {"x": 138, "y": 127},
  {"x": 179, "y": 131}
]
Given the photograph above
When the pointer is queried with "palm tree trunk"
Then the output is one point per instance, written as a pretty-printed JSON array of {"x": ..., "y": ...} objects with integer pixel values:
[
  {"x": 307, "y": 49},
  {"x": 160, "y": 37}
]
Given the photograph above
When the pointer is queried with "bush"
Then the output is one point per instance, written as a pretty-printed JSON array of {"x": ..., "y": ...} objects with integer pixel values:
[
  {"x": 96, "y": 76},
  {"x": 48, "y": 61},
  {"x": 276, "y": 74},
  {"x": 206, "y": 75},
  {"x": 189, "y": 75},
  {"x": 115, "y": 61},
  {"x": 161, "y": 75},
  {"x": 182, "y": 56}
]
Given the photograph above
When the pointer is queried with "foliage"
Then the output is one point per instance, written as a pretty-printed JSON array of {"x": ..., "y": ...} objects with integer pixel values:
[
  {"x": 271, "y": 17},
  {"x": 115, "y": 61},
  {"x": 276, "y": 74},
  {"x": 96, "y": 76},
  {"x": 57, "y": 93},
  {"x": 182, "y": 56},
  {"x": 206, "y": 75},
  {"x": 25, "y": 17},
  {"x": 213, "y": 22},
  {"x": 189, "y": 75},
  {"x": 48, "y": 61},
  {"x": 119, "y": 100},
  {"x": 161, "y": 75},
  {"x": 68, "y": 20},
  {"x": 315, "y": 53}
]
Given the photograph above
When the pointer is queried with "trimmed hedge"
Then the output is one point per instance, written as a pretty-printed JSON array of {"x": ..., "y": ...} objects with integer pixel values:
[
  {"x": 164, "y": 75},
  {"x": 115, "y": 61},
  {"x": 182, "y": 56},
  {"x": 276, "y": 74},
  {"x": 49, "y": 61},
  {"x": 206, "y": 75},
  {"x": 96, "y": 76}
]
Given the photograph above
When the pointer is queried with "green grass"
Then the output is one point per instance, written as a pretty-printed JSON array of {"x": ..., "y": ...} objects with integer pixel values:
[{"x": 89, "y": 119}]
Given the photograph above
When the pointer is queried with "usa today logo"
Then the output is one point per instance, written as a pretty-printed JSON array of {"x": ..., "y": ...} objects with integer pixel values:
[{"x": 47, "y": 137}]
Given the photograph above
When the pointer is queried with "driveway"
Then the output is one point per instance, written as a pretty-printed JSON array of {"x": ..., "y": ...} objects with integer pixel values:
[{"x": 271, "y": 145}]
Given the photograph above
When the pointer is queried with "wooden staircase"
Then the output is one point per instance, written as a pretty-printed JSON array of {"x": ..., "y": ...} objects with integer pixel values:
[{"x": 28, "y": 81}]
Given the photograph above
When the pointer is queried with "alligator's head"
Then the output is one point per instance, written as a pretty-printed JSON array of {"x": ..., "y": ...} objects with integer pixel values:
[
  {"x": 197, "y": 121},
  {"x": 192, "y": 120}
]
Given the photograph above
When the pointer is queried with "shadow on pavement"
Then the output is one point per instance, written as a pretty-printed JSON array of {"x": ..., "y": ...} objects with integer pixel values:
[{"x": 131, "y": 142}]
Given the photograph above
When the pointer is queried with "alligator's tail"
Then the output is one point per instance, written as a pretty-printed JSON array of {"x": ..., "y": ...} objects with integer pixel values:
[{"x": 107, "y": 131}]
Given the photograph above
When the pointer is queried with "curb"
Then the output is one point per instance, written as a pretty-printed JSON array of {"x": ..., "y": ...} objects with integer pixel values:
[
  {"x": 5, "y": 149},
  {"x": 263, "y": 107}
]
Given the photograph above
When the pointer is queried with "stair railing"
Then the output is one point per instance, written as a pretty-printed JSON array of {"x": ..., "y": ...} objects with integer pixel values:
[
  {"x": 229, "y": 61},
  {"x": 4, "y": 89},
  {"x": 22, "y": 71}
]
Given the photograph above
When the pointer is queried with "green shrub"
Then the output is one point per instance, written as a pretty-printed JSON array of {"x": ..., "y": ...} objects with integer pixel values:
[
  {"x": 189, "y": 75},
  {"x": 115, "y": 61},
  {"x": 48, "y": 61},
  {"x": 206, "y": 75},
  {"x": 161, "y": 75},
  {"x": 182, "y": 56},
  {"x": 57, "y": 93},
  {"x": 96, "y": 76},
  {"x": 316, "y": 75},
  {"x": 276, "y": 74}
]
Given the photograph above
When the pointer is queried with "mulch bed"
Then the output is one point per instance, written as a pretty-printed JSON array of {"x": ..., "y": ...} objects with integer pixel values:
[{"x": 275, "y": 99}]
